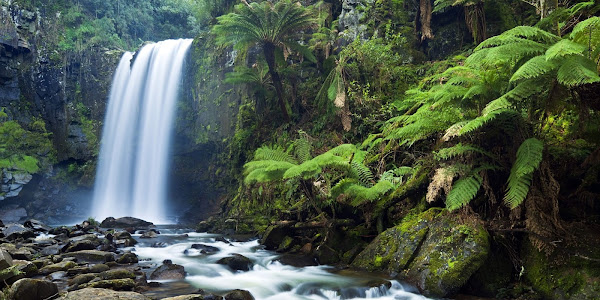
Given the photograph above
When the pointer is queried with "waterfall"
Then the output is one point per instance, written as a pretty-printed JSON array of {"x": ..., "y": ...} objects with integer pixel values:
[{"x": 134, "y": 154}]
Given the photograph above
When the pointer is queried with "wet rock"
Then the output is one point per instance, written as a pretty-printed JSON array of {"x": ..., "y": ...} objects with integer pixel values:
[
  {"x": 195, "y": 297},
  {"x": 236, "y": 262},
  {"x": 124, "y": 239},
  {"x": 36, "y": 225},
  {"x": 81, "y": 245},
  {"x": 14, "y": 231},
  {"x": 103, "y": 294},
  {"x": 60, "y": 230},
  {"x": 81, "y": 279},
  {"x": 28, "y": 268},
  {"x": 57, "y": 276},
  {"x": 116, "y": 274},
  {"x": 24, "y": 253},
  {"x": 61, "y": 266},
  {"x": 125, "y": 222},
  {"x": 168, "y": 270},
  {"x": 128, "y": 258},
  {"x": 239, "y": 295},
  {"x": 150, "y": 234},
  {"x": 32, "y": 289},
  {"x": 159, "y": 245},
  {"x": 326, "y": 256},
  {"x": 205, "y": 249},
  {"x": 435, "y": 250},
  {"x": 52, "y": 250},
  {"x": 126, "y": 284},
  {"x": 92, "y": 256},
  {"x": 5, "y": 259},
  {"x": 274, "y": 236}
]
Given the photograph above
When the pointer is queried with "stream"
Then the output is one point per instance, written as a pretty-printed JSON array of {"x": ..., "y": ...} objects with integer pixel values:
[{"x": 267, "y": 278}]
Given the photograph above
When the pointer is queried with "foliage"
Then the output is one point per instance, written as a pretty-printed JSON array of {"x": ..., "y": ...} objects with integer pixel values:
[{"x": 528, "y": 160}]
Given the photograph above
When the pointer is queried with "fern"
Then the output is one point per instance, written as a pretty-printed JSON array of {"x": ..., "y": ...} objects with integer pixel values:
[
  {"x": 463, "y": 191},
  {"x": 458, "y": 150},
  {"x": 362, "y": 173},
  {"x": 577, "y": 70},
  {"x": 273, "y": 153},
  {"x": 564, "y": 48},
  {"x": 528, "y": 159},
  {"x": 302, "y": 147},
  {"x": 534, "y": 67},
  {"x": 352, "y": 189}
]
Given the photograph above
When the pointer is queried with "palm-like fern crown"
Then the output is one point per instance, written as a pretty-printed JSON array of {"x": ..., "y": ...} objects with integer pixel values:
[{"x": 264, "y": 22}]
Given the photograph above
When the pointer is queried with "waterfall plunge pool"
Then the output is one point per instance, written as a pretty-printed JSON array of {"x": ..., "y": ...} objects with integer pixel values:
[{"x": 266, "y": 279}]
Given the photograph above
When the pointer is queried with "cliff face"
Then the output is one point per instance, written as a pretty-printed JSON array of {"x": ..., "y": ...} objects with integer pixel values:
[{"x": 64, "y": 92}]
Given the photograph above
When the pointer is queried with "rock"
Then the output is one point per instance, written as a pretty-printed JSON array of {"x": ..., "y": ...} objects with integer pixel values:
[
  {"x": 116, "y": 274},
  {"x": 326, "y": 256},
  {"x": 239, "y": 295},
  {"x": 103, "y": 294},
  {"x": 168, "y": 270},
  {"x": 81, "y": 279},
  {"x": 61, "y": 266},
  {"x": 124, "y": 239},
  {"x": 435, "y": 250},
  {"x": 149, "y": 234},
  {"x": 81, "y": 245},
  {"x": 126, "y": 284},
  {"x": 128, "y": 258},
  {"x": 36, "y": 225},
  {"x": 92, "y": 256},
  {"x": 125, "y": 222},
  {"x": 205, "y": 249},
  {"x": 236, "y": 262},
  {"x": 195, "y": 297},
  {"x": 98, "y": 268},
  {"x": 24, "y": 253},
  {"x": 28, "y": 268},
  {"x": 14, "y": 231},
  {"x": 52, "y": 250},
  {"x": 11, "y": 185},
  {"x": 5, "y": 259},
  {"x": 159, "y": 245},
  {"x": 274, "y": 236},
  {"x": 32, "y": 289}
]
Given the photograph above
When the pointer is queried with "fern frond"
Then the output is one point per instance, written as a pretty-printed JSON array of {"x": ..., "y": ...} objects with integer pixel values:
[
  {"x": 403, "y": 171},
  {"x": 273, "y": 153},
  {"x": 265, "y": 170},
  {"x": 535, "y": 67},
  {"x": 584, "y": 29},
  {"x": 362, "y": 173},
  {"x": 302, "y": 148},
  {"x": 359, "y": 194},
  {"x": 528, "y": 160},
  {"x": 523, "y": 90},
  {"x": 479, "y": 122},
  {"x": 463, "y": 191},
  {"x": 520, "y": 32},
  {"x": 577, "y": 70},
  {"x": 458, "y": 150},
  {"x": 564, "y": 48}
]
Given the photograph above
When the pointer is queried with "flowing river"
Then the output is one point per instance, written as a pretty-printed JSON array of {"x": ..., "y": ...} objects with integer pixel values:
[{"x": 267, "y": 279}]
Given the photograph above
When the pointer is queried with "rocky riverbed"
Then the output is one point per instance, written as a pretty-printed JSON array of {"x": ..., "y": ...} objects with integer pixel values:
[{"x": 129, "y": 258}]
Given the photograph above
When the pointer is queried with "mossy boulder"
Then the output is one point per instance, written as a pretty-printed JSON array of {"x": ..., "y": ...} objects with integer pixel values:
[
  {"x": 32, "y": 289},
  {"x": 102, "y": 294},
  {"x": 117, "y": 274},
  {"x": 92, "y": 256},
  {"x": 435, "y": 250},
  {"x": 125, "y": 284},
  {"x": 61, "y": 266}
]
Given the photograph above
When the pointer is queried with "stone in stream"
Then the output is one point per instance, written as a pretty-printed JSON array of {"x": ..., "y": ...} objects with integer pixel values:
[
  {"x": 125, "y": 222},
  {"x": 92, "y": 256},
  {"x": 32, "y": 289},
  {"x": 15, "y": 231},
  {"x": 61, "y": 266},
  {"x": 125, "y": 284},
  {"x": 236, "y": 262},
  {"x": 205, "y": 249},
  {"x": 102, "y": 294},
  {"x": 150, "y": 234},
  {"x": 168, "y": 270},
  {"x": 36, "y": 225},
  {"x": 5, "y": 259},
  {"x": 128, "y": 258},
  {"x": 239, "y": 295},
  {"x": 195, "y": 297},
  {"x": 81, "y": 245}
]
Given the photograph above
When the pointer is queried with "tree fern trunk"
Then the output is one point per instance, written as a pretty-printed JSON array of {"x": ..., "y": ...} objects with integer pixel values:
[{"x": 269, "y": 51}]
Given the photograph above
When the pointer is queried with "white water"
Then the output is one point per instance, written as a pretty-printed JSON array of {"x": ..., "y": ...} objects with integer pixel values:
[
  {"x": 268, "y": 279},
  {"x": 134, "y": 154}
]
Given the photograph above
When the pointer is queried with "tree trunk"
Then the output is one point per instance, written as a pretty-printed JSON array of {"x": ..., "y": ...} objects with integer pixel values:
[
  {"x": 423, "y": 20},
  {"x": 269, "y": 51}
]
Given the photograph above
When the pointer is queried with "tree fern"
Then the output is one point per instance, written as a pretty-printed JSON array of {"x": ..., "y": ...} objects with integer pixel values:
[
  {"x": 302, "y": 147},
  {"x": 273, "y": 153},
  {"x": 358, "y": 194},
  {"x": 463, "y": 191},
  {"x": 528, "y": 159},
  {"x": 577, "y": 70},
  {"x": 458, "y": 150},
  {"x": 564, "y": 48},
  {"x": 534, "y": 67}
]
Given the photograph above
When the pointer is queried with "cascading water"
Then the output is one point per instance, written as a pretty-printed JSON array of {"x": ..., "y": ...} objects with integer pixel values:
[{"x": 132, "y": 168}]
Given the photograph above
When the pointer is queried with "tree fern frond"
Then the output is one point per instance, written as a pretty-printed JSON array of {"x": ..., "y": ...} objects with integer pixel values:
[
  {"x": 362, "y": 173},
  {"x": 564, "y": 48},
  {"x": 463, "y": 191},
  {"x": 458, "y": 150},
  {"x": 302, "y": 148},
  {"x": 403, "y": 171},
  {"x": 584, "y": 29},
  {"x": 265, "y": 170},
  {"x": 453, "y": 130},
  {"x": 577, "y": 70},
  {"x": 479, "y": 122},
  {"x": 528, "y": 160},
  {"x": 497, "y": 104},
  {"x": 535, "y": 67},
  {"x": 524, "y": 90},
  {"x": 475, "y": 91},
  {"x": 359, "y": 194}
]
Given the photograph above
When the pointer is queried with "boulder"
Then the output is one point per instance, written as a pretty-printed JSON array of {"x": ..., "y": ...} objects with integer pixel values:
[
  {"x": 150, "y": 234},
  {"x": 32, "y": 289},
  {"x": 5, "y": 259},
  {"x": 205, "y": 249},
  {"x": 91, "y": 256},
  {"x": 168, "y": 270},
  {"x": 102, "y": 294},
  {"x": 14, "y": 231},
  {"x": 195, "y": 297},
  {"x": 125, "y": 222},
  {"x": 126, "y": 284},
  {"x": 116, "y": 274},
  {"x": 28, "y": 268},
  {"x": 236, "y": 262},
  {"x": 22, "y": 252},
  {"x": 128, "y": 258},
  {"x": 61, "y": 266},
  {"x": 52, "y": 250},
  {"x": 239, "y": 295},
  {"x": 81, "y": 279},
  {"x": 124, "y": 239},
  {"x": 81, "y": 245},
  {"x": 274, "y": 236},
  {"x": 435, "y": 250},
  {"x": 36, "y": 225}
]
